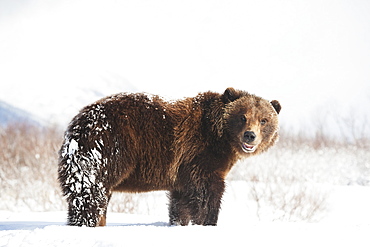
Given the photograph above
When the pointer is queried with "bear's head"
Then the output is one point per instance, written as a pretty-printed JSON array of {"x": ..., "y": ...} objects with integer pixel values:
[{"x": 250, "y": 122}]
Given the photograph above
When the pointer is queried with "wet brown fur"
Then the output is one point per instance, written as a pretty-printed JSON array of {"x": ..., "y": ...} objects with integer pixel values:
[{"x": 186, "y": 147}]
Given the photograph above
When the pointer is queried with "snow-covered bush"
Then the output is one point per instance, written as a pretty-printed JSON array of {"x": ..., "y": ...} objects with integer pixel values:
[
  {"x": 293, "y": 180},
  {"x": 28, "y": 179}
]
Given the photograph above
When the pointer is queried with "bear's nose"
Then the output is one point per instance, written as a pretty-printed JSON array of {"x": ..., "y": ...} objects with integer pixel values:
[{"x": 249, "y": 136}]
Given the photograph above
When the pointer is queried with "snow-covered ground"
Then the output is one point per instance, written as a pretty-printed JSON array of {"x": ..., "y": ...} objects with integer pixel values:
[
  {"x": 346, "y": 224},
  {"x": 48, "y": 230},
  {"x": 128, "y": 230}
]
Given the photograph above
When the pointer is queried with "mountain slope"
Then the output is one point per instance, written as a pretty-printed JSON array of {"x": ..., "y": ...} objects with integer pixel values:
[
  {"x": 57, "y": 103},
  {"x": 10, "y": 114}
]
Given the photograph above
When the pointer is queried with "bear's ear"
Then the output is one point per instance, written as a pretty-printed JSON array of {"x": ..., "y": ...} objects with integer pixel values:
[
  {"x": 276, "y": 106},
  {"x": 230, "y": 95}
]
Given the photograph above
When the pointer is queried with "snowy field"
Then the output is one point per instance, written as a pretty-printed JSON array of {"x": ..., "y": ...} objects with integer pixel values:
[
  {"x": 346, "y": 225},
  {"x": 127, "y": 230},
  {"x": 47, "y": 229},
  {"x": 256, "y": 211},
  {"x": 278, "y": 198}
]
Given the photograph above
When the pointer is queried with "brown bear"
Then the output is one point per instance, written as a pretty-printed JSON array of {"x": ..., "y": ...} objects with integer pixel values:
[{"x": 140, "y": 143}]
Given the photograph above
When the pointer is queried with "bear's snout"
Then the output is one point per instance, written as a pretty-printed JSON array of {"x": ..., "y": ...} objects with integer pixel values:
[{"x": 249, "y": 136}]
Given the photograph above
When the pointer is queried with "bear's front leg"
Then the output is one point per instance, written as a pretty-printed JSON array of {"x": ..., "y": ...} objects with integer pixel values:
[
  {"x": 199, "y": 203},
  {"x": 209, "y": 199},
  {"x": 178, "y": 208},
  {"x": 188, "y": 205}
]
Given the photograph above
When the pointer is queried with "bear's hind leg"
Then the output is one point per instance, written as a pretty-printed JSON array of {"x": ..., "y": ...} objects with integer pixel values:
[
  {"x": 103, "y": 218},
  {"x": 87, "y": 204},
  {"x": 87, "y": 211}
]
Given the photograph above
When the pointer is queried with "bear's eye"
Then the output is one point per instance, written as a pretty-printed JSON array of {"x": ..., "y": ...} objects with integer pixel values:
[
  {"x": 263, "y": 121},
  {"x": 243, "y": 118}
]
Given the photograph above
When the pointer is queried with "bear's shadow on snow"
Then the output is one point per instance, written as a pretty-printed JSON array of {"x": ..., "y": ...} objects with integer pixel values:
[
  {"x": 33, "y": 225},
  {"x": 27, "y": 225},
  {"x": 157, "y": 224}
]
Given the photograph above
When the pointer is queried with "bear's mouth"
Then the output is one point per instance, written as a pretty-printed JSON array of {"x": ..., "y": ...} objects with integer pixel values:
[{"x": 248, "y": 148}]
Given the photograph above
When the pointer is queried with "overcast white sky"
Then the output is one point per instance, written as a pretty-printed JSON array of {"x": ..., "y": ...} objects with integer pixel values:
[{"x": 307, "y": 54}]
